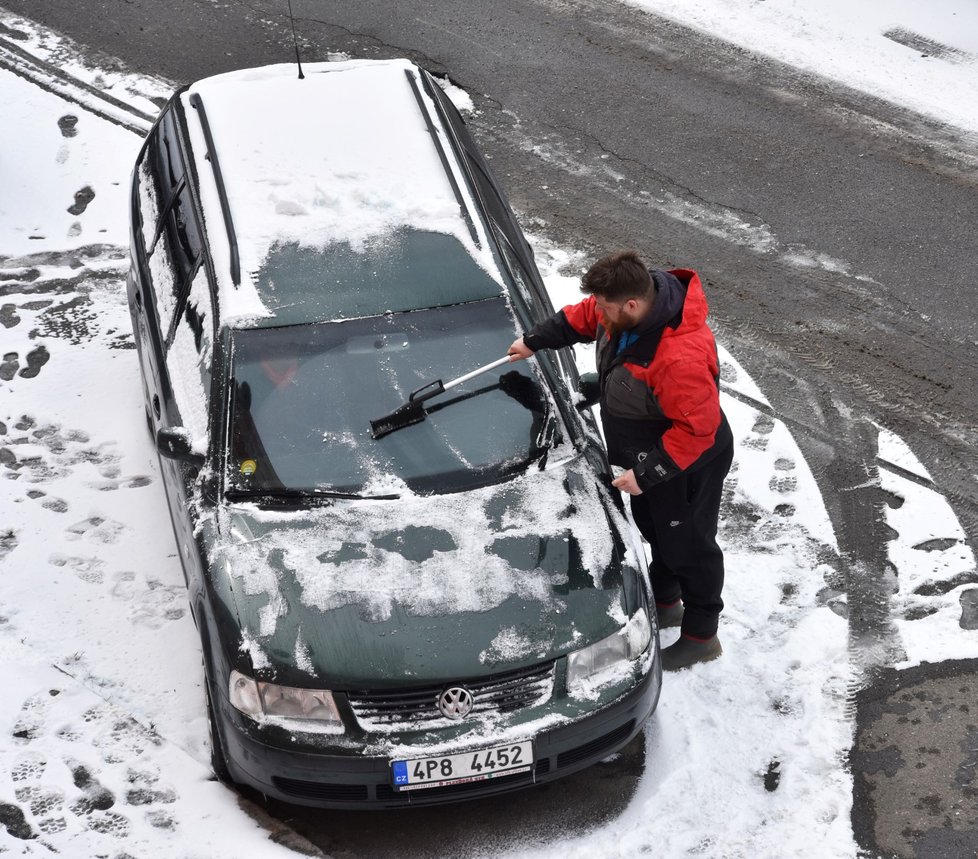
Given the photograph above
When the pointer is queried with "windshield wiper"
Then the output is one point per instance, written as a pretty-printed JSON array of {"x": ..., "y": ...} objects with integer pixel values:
[
  {"x": 548, "y": 437},
  {"x": 235, "y": 494}
]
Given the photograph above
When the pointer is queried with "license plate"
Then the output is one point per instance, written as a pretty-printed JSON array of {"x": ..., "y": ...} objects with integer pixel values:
[{"x": 479, "y": 765}]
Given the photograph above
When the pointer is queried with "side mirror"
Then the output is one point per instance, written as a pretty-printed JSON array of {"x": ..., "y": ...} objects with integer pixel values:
[
  {"x": 590, "y": 390},
  {"x": 175, "y": 443}
]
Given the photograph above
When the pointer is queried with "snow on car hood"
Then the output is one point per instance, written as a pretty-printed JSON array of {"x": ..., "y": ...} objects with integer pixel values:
[{"x": 431, "y": 587}]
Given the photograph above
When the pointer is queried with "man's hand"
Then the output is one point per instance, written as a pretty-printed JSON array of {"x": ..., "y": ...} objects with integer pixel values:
[
  {"x": 627, "y": 483},
  {"x": 519, "y": 350}
]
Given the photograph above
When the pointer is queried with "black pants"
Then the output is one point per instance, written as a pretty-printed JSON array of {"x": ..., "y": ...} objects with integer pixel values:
[{"x": 679, "y": 519}]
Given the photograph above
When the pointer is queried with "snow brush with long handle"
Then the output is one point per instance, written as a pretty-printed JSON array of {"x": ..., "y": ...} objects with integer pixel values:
[{"x": 412, "y": 412}]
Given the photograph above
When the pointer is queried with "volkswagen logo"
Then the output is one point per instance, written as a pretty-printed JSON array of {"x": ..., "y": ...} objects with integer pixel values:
[{"x": 455, "y": 702}]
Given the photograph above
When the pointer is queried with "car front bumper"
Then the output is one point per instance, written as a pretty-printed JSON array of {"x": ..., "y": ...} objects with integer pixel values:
[{"x": 363, "y": 782}]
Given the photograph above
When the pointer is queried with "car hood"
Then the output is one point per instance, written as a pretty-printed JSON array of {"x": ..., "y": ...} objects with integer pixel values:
[{"x": 368, "y": 594}]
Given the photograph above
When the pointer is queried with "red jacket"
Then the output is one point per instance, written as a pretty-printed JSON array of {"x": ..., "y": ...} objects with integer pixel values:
[{"x": 660, "y": 400}]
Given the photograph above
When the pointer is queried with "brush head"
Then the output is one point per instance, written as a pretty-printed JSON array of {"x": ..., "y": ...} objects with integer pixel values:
[{"x": 410, "y": 413}]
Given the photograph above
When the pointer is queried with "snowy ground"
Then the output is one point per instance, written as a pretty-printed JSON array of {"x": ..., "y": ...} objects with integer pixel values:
[
  {"x": 923, "y": 56},
  {"x": 102, "y": 732}
]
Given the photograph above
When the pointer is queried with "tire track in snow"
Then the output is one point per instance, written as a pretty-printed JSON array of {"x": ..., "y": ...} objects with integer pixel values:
[
  {"x": 715, "y": 219},
  {"x": 935, "y": 587},
  {"x": 55, "y": 80}
]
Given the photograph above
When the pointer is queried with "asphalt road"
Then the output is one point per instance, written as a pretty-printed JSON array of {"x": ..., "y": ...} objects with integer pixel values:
[{"x": 834, "y": 233}]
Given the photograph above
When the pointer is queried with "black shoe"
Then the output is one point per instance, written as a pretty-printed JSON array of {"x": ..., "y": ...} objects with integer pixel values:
[
  {"x": 688, "y": 651},
  {"x": 669, "y": 615}
]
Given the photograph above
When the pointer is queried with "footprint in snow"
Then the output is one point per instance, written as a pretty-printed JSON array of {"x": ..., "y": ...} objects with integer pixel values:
[
  {"x": 8, "y": 542},
  {"x": 763, "y": 427},
  {"x": 96, "y": 529},
  {"x": 68, "y": 125},
  {"x": 36, "y": 358},
  {"x": 43, "y": 802},
  {"x": 155, "y": 604},
  {"x": 44, "y": 808},
  {"x": 33, "y": 713},
  {"x": 12, "y": 819},
  {"x": 8, "y": 315},
  {"x": 57, "y": 505},
  {"x": 66, "y": 449},
  {"x": 783, "y": 481},
  {"x": 95, "y": 796},
  {"x": 87, "y": 569},
  {"x": 29, "y": 768},
  {"x": 145, "y": 792},
  {"x": 83, "y": 197},
  {"x": 110, "y": 484},
  {"x": 9, "y": 367}
]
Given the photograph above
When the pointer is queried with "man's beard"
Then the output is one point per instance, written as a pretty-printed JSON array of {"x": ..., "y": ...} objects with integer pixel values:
[{"x": 614, "y": 329}]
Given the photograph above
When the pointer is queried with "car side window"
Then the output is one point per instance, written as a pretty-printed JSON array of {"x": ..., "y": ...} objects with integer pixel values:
[
  {"x": 184, "y": 236},
  {"x": 171, "y": 236},
  {"x": 164, "y": 159},
  {"x": 189, "y": 359}
]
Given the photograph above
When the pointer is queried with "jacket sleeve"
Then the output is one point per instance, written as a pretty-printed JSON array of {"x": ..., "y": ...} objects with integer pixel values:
[
  {"x": 688, "y": 395},
  {"x": 576, "y": 323}
]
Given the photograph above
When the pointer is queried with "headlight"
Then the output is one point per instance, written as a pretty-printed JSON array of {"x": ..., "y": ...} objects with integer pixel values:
[
  {"x": 611, "y": 653},
  {"x": 257, "y": 699}
]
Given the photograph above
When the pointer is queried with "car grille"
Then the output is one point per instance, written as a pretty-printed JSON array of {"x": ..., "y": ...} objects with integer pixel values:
[
  {"x": 409, "y": 708},
  {"x": 595, "y": 747},
  {"x": 321, "y": 790}
]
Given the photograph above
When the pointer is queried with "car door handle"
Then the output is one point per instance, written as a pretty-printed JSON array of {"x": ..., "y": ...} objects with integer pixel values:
[{"x": 156, "y": 404}]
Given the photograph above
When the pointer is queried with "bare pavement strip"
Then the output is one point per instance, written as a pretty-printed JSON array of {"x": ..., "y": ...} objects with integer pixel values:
[
  {"x": 916, "y": 742},
  {"x": 915, "y": 762}
]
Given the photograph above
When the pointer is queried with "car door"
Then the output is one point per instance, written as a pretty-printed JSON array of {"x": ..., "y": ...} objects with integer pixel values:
[
  {"x": 173, "y": 311},
  {"x": 188, "y": 369},
  {"x": 154, "y": 281}
]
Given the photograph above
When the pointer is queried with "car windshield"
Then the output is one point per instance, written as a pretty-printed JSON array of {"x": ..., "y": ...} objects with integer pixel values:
[
  {"x": 303, "y": 398},
  {"x": 401, "y": 270}
]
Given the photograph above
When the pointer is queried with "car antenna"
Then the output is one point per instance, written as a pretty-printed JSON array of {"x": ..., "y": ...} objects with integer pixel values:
[{"x": 295, "y": 41}]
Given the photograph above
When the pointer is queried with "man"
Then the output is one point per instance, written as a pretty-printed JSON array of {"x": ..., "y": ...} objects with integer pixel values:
[{"x": 659, "y": 374}]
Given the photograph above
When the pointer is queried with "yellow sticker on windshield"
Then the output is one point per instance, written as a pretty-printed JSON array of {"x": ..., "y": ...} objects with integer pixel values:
[{"x": 249, "y": 467}]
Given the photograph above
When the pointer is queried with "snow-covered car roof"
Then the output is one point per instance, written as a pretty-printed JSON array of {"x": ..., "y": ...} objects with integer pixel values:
[{"x": 344, "y": 156}]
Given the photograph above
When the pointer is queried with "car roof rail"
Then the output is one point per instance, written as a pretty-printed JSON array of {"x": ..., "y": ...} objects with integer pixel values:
[
  {"x": 197, "y": 103},
  {"x": 466, "y": 214},
  {"x": 430, "y": 86}
]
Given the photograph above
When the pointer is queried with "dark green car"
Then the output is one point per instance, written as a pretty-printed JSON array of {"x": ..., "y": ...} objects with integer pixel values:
[{"x": 451, "y": 609}]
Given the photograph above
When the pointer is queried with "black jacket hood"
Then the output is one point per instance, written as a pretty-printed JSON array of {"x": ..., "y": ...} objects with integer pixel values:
[{"x": 670, "y": 294}]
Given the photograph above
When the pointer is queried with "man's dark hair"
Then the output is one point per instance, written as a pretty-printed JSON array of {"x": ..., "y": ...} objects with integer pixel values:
[{"x": 619, "y": 277}]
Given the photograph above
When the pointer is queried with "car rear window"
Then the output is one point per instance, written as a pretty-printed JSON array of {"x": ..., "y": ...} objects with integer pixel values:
[{"x": 304, "y": 396}]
